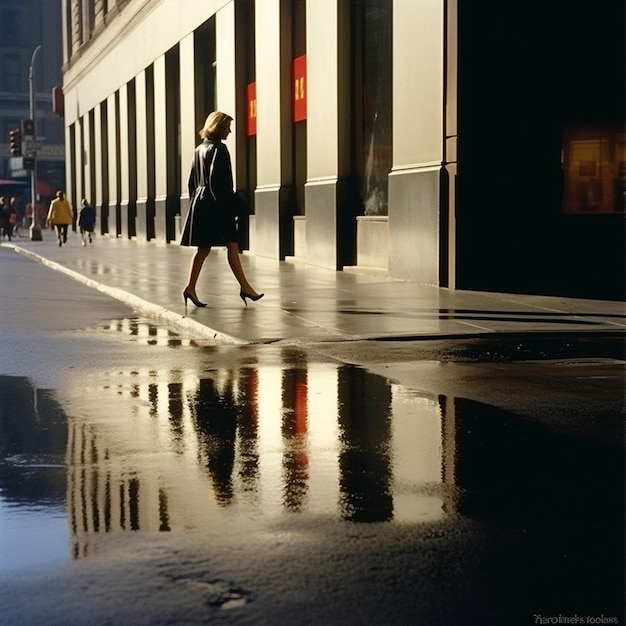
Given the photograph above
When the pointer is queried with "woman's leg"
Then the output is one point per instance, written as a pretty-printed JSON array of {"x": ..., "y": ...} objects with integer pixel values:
[
  {"x": 235, "y": 265},
  {"x": 194, "y": 271}
]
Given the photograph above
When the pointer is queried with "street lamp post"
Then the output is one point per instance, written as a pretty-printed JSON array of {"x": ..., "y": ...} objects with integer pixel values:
[{"x": 35, "y": 230}]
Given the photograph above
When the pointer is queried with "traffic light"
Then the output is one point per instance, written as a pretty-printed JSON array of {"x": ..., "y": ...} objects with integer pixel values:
[
  {"x": 15, "y": 141},
  {"x": 28, "y": 126}
]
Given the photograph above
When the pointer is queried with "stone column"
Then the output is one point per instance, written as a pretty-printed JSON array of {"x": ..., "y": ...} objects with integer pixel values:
[
  {"x": 225, "y": 75},
  {"x": 274, "y": 192},
  {"x": 128, "y": 161},
  {"x": 418, "y": 140},
  {"x": 87, "y": 151},
  {"x": 160, "y": 149},
  {"x": 330, "y": 200},
  {"x": 189, "y": 137},
  {"x": 73, "y": 193},
  {"x": 98, "y": 155},
  {"x": 142, "y": 158},
  {"x": 114, "y": 172},
  {"x": 451, "y": 134}
]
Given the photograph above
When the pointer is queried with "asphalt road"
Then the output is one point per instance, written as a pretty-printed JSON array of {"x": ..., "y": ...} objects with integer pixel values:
[{"x": 148, "y": 478}]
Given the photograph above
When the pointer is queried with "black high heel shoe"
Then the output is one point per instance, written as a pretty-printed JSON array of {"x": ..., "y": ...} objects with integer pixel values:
[
  {"x": 243, "y": 295},
  {"x": 197, "y": 302}
]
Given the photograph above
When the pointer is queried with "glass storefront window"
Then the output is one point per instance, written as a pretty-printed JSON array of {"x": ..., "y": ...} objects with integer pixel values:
[
  {"x": 594, "y": 169},
  {"x": 372, "y": 21}
]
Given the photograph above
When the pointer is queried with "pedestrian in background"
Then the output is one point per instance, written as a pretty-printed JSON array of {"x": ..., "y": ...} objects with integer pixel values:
[
  {"x": 214, "y": 207},
  {"x": 60, "y": 216},
  {"x": 5, "y": 227},
  {"x": 86, "y": 221},
  {"x": 16, "y": 215}
]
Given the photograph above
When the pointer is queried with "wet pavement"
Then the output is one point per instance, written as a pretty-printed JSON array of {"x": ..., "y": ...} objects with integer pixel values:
[
  {"x": 303, "y": 303},
  {"x": 153, "y": 474},
  {"x": 243, "y": 485}
]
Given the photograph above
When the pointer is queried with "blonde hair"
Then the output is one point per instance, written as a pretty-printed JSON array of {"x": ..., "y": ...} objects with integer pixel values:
[{"x": 214, "y": 122}]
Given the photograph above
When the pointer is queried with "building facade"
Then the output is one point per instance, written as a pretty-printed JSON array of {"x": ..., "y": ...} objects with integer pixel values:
[
  {"x": 24, "y": 26},
  {"x": 440, "y": 141}
]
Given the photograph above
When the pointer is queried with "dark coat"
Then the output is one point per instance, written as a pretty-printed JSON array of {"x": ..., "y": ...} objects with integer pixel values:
[
  {"x": 4, "y": 216},
  {"x": 87, "y": 218},
  {"x": 212, "y": 216}
]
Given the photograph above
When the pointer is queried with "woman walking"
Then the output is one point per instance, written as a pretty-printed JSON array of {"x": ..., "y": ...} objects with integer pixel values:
[
  {"x": 60, "y": 215},
  {"x": 213, "y": 208}
]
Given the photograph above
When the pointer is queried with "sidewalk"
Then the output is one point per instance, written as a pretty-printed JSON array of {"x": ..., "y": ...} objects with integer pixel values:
[{"x": 303, "y": 303}]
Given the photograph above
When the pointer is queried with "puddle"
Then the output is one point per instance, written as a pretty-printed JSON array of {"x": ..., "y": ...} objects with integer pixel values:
[
  {"x": 146, "y": 333},
  {"x": 161, "y": 449},
  {"x": 33, "y": 476},
  {"x": 164, "y": 450}
]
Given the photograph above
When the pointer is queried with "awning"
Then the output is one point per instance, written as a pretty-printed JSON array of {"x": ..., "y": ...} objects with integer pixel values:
[{"x": 44, "y": 189}]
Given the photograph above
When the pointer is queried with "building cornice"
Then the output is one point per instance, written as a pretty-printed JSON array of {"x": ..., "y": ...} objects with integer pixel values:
[{"x": 105, "y": 37}]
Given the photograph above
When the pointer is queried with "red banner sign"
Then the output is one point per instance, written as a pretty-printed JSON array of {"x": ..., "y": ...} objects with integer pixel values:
[
  {"x": 251, "y": 108},
  {"x": 299, "y": 88}
]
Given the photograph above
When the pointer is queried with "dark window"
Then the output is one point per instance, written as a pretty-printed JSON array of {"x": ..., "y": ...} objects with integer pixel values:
[
  {"x": 11, "y": 74},
  {"x": 372, "y": 72},
  {"x": 89, "y": 14},
  {"x": 9, "y": 25}
]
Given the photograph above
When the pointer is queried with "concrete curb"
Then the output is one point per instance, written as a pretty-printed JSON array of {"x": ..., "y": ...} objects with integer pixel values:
[{"x": 143, "y": 306}]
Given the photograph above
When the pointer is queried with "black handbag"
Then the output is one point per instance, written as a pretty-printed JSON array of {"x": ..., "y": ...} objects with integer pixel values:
[{"x": 240, "y": 206}]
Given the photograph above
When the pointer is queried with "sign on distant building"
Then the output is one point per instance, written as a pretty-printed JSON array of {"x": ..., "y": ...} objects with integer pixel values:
[
  {"x": 251, "y": 108},
  {"x": 299, "y": 88}
]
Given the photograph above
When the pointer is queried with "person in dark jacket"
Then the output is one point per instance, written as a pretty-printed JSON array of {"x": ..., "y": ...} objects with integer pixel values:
[
  {"x": 86, "y": 221},
  {"x": 213, "y": 207},
  {"x": 15, "y": 216},
  {"x": 5, "y": 226}
]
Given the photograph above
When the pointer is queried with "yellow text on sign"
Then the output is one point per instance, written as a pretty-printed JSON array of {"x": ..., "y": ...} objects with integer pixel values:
[{"x": 299, "y": 85}]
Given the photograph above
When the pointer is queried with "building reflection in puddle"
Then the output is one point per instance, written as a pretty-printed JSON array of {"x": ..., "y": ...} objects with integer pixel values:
[
  {"x": 365, "y": 455},
  {"x": 145, "y": 333},
  {"x": 269, "y": 434},
  {"x": 33, "y": 479},
  {"x": 318, "y": 438}
]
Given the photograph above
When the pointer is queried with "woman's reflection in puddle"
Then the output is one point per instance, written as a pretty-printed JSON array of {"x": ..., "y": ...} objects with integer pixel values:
[{"x": 215, "y": 413}]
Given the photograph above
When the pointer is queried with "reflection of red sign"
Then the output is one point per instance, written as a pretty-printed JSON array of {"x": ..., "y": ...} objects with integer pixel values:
[
  {"x": 299, "y": 88},
  {"x": 251, "y": 108}
]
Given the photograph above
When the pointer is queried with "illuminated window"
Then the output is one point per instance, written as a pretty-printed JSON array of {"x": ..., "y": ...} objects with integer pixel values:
[{"x": 594, "y": 170}]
